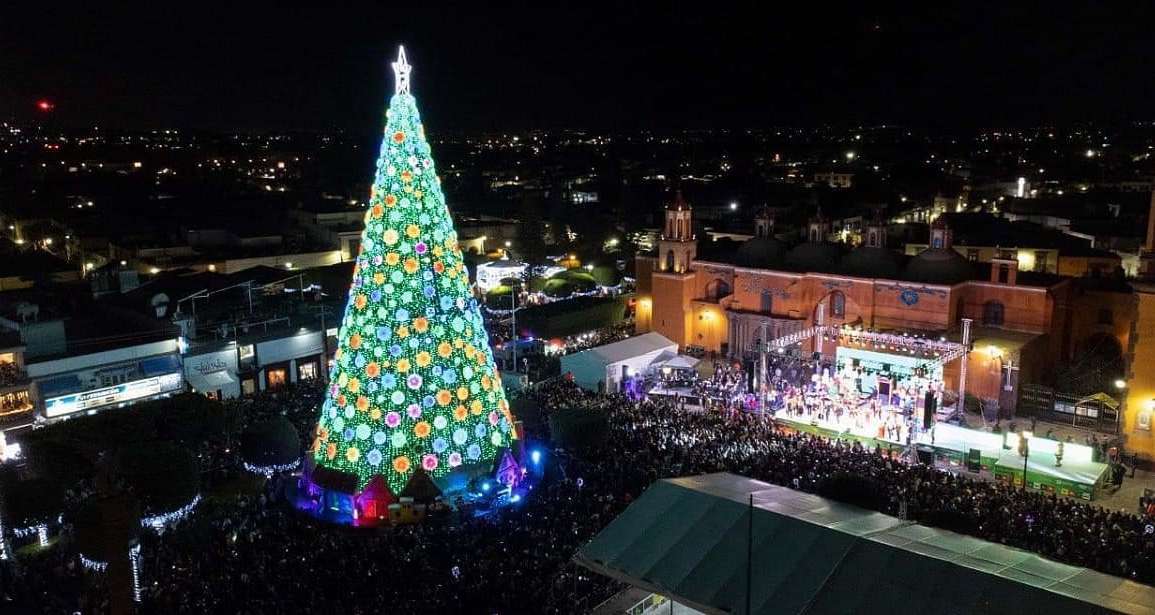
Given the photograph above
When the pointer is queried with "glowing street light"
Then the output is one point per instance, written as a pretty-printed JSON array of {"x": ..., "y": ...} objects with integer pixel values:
[
  {"x": 1120, "y": 384},
  {"x": 733, "y": 205},
  {"x": 850, "y": 156}
]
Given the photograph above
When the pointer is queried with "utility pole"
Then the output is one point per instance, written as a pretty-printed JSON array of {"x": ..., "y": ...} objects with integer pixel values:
[
  {"x": 513, "y": 331},
  {"x": 962, "y": 371},
  {"x": 750, "y": 555},
  {"x": 324, "y": 345}
]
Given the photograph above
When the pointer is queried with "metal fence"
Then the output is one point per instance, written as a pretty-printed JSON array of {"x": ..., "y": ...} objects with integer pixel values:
[{"x": 1045, "y": 404}]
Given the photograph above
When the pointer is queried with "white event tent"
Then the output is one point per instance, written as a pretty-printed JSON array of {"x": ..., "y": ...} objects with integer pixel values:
[{"x": 606, "y": 366}]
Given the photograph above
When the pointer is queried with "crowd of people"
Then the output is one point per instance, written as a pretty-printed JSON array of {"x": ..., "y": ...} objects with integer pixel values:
[
  {"x": 256, "y": 554},
  {"x": 725, "y": 388}
]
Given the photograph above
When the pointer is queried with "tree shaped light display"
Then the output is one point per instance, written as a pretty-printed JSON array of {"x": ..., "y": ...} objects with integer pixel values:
[{"x": 414, "y": 383}]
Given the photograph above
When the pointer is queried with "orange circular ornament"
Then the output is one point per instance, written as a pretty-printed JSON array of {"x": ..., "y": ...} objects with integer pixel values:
[{"x": 401, "y": 464}]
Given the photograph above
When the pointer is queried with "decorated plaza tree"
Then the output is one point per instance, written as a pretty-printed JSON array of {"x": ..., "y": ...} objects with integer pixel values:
[{"x": 414, "y": 383}]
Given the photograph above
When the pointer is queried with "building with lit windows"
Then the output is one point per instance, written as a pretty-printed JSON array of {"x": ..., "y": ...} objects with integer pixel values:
[
  {"x": 1021, "y": 323},
  {"x": 982, "y": 238}
]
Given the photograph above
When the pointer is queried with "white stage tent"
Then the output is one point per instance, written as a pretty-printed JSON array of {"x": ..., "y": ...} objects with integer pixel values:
[{"x": 607, "y": 365}]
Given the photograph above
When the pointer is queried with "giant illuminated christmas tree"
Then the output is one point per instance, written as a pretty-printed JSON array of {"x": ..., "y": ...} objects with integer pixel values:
[{"x": 413, "y": 384}]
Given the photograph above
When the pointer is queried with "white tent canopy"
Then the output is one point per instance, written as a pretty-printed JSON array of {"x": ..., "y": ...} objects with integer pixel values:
[
  {"x": 678, "y": 362},
  {"x": 605, "y": 366}
]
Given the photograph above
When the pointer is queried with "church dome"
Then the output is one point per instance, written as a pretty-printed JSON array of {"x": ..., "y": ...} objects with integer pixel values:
[
  {"x": 939, "y": 266},
  {"x": 868, "y": 262},
  {"x": 814, "y": 256},
  {"x": 761, "y": 253}
]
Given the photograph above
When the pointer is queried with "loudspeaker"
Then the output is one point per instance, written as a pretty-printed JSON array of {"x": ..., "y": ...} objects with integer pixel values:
[
  {"x": 930, "y": 406},
  {"x": 926, "y": 456},
  {"x": 974, "y": 460}
]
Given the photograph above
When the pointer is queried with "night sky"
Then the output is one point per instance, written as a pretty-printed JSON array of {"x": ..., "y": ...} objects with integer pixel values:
[{"x": 510, "y": 66}]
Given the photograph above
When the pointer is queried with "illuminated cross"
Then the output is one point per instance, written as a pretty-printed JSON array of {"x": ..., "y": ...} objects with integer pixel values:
[{"x": 401, "y": 70}]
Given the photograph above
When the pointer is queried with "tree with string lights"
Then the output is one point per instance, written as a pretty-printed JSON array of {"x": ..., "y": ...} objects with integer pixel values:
[{"x": 413, "y": 388}]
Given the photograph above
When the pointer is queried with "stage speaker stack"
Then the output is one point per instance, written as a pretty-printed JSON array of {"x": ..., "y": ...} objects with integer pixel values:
[
  {"x": 926, "y": 455},
  {"x": 930, "y": 407},
  {"x": 974, "y": 460}
]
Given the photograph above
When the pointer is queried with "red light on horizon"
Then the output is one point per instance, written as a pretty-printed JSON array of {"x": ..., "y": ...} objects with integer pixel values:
[{"x": 45, "y": 105}]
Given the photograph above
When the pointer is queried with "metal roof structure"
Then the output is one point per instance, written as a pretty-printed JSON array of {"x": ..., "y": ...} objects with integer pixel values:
[
  {"x": 688, "y": 538},
  {"x": 630, "y": 347}
]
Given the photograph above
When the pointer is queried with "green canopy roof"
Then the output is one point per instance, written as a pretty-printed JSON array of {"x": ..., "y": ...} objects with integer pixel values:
[{"x": 687, "y": 538}]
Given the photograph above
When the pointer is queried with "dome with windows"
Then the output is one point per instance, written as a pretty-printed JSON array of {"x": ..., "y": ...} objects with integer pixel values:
[
  {"x": 818, "y": 256},
  {"x": 870, "y": 262},
  {"x": 939, "y": 266},
  {"x": 761, "y": 253}
]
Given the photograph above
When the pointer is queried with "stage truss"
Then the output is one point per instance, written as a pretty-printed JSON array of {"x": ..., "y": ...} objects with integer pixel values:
[{"x": 942, "y": 351}]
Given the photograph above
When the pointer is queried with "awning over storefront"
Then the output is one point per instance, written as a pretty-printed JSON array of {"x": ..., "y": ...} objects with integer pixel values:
[
  {"x": 59, "y": 385},
  {"x": 157, "y": 366},
  {"x": 221, "y": 378},
  {"x": 211, "y": 381}
]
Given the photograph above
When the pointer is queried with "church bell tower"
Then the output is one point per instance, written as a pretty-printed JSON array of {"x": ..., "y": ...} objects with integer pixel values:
[{"x": 677, "y": 247}]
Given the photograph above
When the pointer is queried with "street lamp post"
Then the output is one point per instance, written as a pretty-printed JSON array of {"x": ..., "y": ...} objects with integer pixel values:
[
  {"x": 1025, "y": 451},
  {"x": 513, "y": 331}
]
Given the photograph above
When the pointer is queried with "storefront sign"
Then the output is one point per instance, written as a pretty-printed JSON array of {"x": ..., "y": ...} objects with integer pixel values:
[
  {"x": 208, "y": 365},
  {"x": 129, "y": 391}
]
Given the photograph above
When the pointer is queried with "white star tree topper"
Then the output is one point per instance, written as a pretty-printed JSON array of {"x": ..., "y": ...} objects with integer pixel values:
[{"x": 401, "y": 70}]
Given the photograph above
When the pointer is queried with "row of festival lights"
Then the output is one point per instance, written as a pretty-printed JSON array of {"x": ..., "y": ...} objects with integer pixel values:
[
  {"x": 894, "y": 342},
  {"x": 157, "y": 522},
  {"x": 269, "y": 471}
]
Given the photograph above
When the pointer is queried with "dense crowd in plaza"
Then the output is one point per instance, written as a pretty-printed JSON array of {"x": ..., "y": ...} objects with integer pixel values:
[{"x": 255, "y": 554}]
